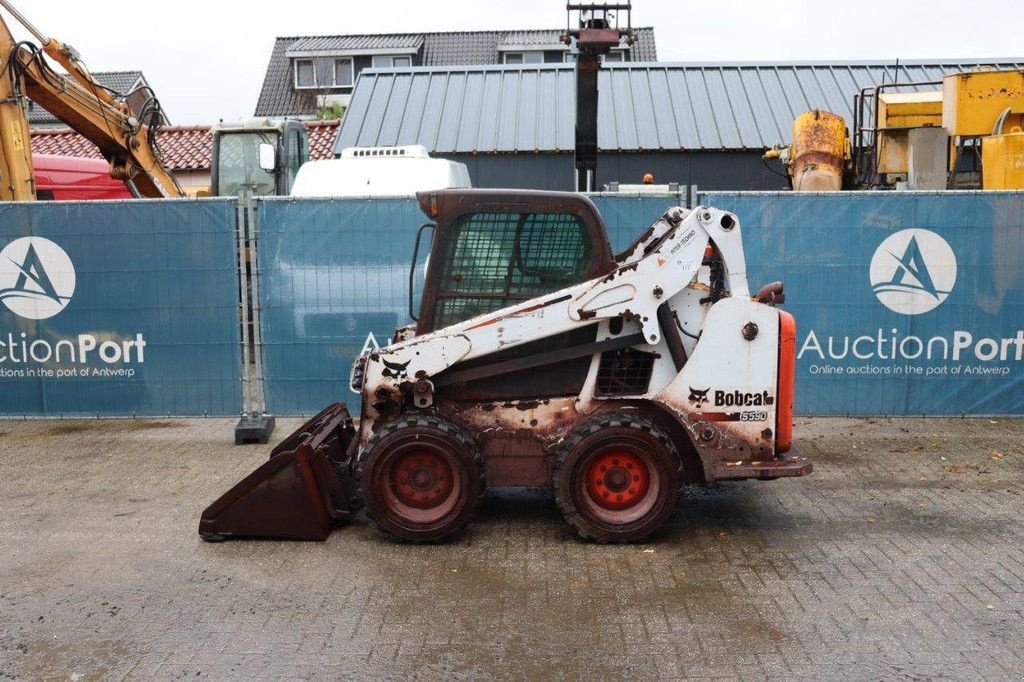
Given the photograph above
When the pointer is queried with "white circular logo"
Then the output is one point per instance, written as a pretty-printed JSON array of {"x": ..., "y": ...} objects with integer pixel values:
[
  {"x": 37, "y": 279},
  {"x": 913, "y": 272}
]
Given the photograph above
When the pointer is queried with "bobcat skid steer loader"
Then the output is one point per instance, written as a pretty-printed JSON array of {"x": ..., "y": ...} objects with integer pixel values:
[{"x": 540, "y": 359}]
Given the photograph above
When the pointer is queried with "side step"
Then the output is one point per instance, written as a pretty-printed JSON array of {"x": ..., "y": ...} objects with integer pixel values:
[{"x": 299, "y": 494}]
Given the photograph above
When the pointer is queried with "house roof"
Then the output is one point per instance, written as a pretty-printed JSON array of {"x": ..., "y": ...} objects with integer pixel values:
[
  {"x": 321, "y": 138},
  {"x": 643, "y": 107},
  {"x": 366, "y": 43},
  {"x": 184, "y": 148},
  {"x": 278, "y": 96},
  {"x": 531, "y": 38},
  {"x": 119, "y": 81}
]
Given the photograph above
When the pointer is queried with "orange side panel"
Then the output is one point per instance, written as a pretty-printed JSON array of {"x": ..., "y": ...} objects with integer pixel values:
[{"x": 787, "y": 383}]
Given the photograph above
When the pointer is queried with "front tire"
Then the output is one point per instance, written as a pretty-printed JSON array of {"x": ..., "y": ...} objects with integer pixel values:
[
  {"x": 617, "y": 478},
  {"x": 422, "y": 478}
]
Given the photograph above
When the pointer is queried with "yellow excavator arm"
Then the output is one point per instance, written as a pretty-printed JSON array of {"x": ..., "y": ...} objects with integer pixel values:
[{"x": 101, "y": 116}]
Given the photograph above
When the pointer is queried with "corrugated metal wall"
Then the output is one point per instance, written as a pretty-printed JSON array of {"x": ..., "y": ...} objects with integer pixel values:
[
  {"x": 706, "y": 170},
  {"x": 744, "y": 171},
  {"x": 520, "y": 171}
]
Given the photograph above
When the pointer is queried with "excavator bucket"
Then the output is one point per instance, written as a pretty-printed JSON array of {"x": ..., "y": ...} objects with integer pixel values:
[{"x": 299, "y": 494}]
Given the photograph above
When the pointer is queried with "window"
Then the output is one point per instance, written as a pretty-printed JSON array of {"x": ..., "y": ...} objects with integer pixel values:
[
  {"x": 238, "y": 165},
  {"x": 615, "y": 56},
  {"x": 305, "y": 76},
  {"x": 498, "y": 259},
  {"x": 295, "y": 158},
  {"x": 343, "y": 75},
  {"x": 536, "y": 57},
  {"x": 323, "y": 73},
  {"x": 387, "y": 61}
]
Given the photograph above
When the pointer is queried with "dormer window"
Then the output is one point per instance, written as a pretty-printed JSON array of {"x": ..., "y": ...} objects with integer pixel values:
[
  {"x": 323, "y": 73},
  {"x": 305, "y": 75},
  {"x": 530, "y": 57},
  {"x": 615, "y": 56},
  {"x": 389, "y": 61}
]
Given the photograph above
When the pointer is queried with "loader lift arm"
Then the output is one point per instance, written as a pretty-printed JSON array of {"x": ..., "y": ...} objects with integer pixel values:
[
  {"x": 126, "y": 141},
  {"x": 675, "y": 249}
]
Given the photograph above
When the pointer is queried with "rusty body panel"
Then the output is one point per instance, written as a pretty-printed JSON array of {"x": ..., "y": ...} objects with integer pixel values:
[
  {"x": 516, "y": 437},
  {"x": 820, "y": 152},
  {"x": 974, "y": 101}
]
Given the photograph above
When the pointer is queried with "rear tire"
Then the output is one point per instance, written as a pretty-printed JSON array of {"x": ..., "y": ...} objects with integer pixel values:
[
  {"x": 617, "y": 478},
  {"x": 422, "y": 478}
]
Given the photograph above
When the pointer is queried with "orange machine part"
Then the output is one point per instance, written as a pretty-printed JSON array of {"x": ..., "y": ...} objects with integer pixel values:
[{"x": 787, "y": 383}]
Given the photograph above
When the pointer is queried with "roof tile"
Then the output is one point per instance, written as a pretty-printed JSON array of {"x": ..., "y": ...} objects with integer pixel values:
[
  {"x": 367, "y": 42},
  {"x": 184, "y": 148}
]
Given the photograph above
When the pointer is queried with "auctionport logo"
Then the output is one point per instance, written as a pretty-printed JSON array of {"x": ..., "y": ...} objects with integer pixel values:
[
  {"x": 37, "y": 278},
  {"x": 913, "y": 272}
]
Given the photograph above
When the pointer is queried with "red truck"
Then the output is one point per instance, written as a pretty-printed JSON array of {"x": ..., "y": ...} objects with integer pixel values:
[{"x": 68, "y": 178}]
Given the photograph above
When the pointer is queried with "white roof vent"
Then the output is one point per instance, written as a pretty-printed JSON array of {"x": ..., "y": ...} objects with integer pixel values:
[{"x": 412, "y": 151}]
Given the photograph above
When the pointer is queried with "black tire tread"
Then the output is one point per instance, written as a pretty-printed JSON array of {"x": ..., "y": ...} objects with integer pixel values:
[
  {"x": 568, "y": 444},
  {"x": 424, "y": 420}
]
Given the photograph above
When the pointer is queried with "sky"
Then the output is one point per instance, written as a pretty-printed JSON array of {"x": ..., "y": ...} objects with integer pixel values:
[{"x": 206, "y": 58}]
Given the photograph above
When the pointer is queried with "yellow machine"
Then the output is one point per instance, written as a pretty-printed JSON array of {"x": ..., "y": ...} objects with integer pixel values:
[
  {"x": 1002, "y": 161},
  {"x": 974, "y": 102},
  {"x": 124, "y": 137},
  {"x": 820, "y": 153},
  {"x": 898, "y": 114},
  {"x": 969, "y": 134},
  {"x": 257, "y": 158},
  {"x": 988, "y": 105}
]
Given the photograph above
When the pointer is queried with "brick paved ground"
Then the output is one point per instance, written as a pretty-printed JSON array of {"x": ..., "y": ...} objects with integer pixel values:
[{"x": 902, "y": 557}]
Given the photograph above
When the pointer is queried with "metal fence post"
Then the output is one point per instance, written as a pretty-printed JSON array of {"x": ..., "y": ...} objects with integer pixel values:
[
  {"x": 255, "y": 426},
  {"x": 259, "y": 386},
  {"x": 243, "y": 307}
]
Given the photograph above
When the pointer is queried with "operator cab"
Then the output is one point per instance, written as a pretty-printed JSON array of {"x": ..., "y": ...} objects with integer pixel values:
[
  {"x": 259, "y": 158},
  {"x": 499, "y": 248}
]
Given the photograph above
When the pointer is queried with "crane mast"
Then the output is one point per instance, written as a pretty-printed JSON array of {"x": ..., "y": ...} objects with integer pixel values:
[{"x": 593, "y": 31}]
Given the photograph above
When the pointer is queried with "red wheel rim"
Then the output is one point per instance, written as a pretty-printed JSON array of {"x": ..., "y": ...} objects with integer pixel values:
[
  {"x": 421, "y": 479},
  {"x": 617, "y": 480}
]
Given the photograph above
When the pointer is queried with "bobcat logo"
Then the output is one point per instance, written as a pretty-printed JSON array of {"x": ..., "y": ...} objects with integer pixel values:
[
  {"x": 699, "y": 398},
  {"x": 395, "y": 370}
]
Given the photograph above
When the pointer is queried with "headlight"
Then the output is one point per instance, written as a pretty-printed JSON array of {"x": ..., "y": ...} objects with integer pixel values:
[{"x": 358, "y": 375}]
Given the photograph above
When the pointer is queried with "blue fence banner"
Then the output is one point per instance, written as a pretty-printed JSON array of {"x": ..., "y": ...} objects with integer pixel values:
[
  {"x": 626, "y": 217},
  {"x": 119, "y": 309},
  {"x": 334, "y": 277},
  {"x": 906, "y": 303}
]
